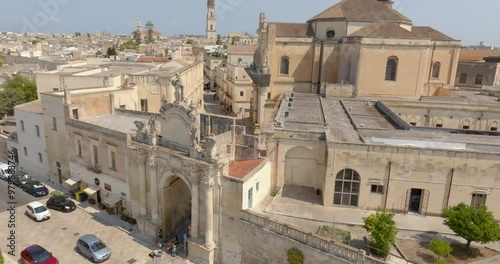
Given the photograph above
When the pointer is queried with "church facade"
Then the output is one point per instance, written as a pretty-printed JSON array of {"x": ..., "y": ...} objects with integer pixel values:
[{"x": 356, "y": 48}]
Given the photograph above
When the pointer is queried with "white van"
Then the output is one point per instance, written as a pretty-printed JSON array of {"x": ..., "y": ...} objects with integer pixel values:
[{"x": 4, "y": 171}]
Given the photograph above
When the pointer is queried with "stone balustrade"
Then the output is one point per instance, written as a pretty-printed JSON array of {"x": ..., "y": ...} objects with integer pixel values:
[{"x": 345, "y": 252}]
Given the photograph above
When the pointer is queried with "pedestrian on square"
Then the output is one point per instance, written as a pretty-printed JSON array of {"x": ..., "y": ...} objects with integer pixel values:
[
  {"x": 170, "y": 246},
  {"x": 174, "y": 249},
  {"x": 176, "y": 240},
  {"x": 160, "y": 237}
]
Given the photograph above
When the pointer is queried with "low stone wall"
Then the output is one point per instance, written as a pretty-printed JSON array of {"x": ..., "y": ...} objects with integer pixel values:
[{"x": 267, "y": 241}]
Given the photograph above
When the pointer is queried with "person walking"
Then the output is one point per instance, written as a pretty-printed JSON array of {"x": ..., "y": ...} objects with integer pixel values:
[
  {"x": 160, "y": 238},
  {"x": 174, "y": 249}
]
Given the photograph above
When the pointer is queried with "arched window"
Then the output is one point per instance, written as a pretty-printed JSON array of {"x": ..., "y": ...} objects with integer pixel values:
[
  {"x": 463, "y": 78},
  {"x": 284, "y": 66},
  {"x": 330, "y": 33},
  {"x": 211, "y": 27},
  {"x": 436, "y": 67},
  {"x": 479, "y": 79},
  {"x": 391, "y": 69},
  {"x": 346, "y": 190}
]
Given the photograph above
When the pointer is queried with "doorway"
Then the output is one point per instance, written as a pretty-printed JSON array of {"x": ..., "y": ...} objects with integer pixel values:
[
  {"x": 415, "y": 201},
  {"x": 59, "y": 172},
  {"x": 250, "y": 197}
]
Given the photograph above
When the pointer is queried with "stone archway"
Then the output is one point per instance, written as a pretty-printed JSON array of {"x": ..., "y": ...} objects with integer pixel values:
[
  {"x": 300, "y": 167},
  {"x": 175, "y": 198}
]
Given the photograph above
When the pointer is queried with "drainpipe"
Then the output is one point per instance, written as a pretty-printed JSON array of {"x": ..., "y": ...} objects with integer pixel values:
[
  {"x": 320, "y": 75},
  {"x": 276, "y": 164},
  {"x": 430, "y": 71},
  {"x": 387, "y": 188},
  {"x": 312, "y": 67},
  {"x": 449, "y": 188}
]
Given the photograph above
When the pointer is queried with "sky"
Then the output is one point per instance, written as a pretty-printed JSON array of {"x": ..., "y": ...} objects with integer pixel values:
[{"x": 469, "y": 21}]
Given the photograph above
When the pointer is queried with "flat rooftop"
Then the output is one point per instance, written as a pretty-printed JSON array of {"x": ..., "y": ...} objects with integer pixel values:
[
  {"x": 117, "y": 122},
  {"x": 363, "y": 121},
  {"x": 33, "y": 106}
]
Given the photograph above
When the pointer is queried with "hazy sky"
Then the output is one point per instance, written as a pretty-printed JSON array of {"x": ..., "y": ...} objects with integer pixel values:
[{"x": 469, "y": 21}]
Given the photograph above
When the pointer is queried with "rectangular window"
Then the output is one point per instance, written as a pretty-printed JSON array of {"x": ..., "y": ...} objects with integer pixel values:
[
  {"x": 75, "y": 113},
  {"x": 78, "y": 147},
  {"x": 107, "y": 187},
  {"x": 493, "y": 129},
  {"x": 465, "y": 127},
  {"x": 40, "y": 157},
  {"x": 268, "y": 95},
  {"x": 241, "y": 93},
  {"x": 257, "y": 187},
  {"x": 54, "y": 124},
  {"x": 439, "y": 125},
  {"x": 22, "y": 125},
  {"x": 25, "y": 151},
  {"x": 37, "y": 128},
  {"x": 463, "y": 78},
  {"x": 478, "y": 200},
  {"x": 144, "y": 105},
  {"x": 123, "y": 107},
  {"x": 94, "y": 154},
  {"x": 377, "y": 188},
  {"x": 413, "y": 123},
  {"x": 112, "y": 157}
]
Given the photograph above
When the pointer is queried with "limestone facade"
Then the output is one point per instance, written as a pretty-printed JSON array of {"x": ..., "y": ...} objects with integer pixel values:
[{"x": 380, "y": 53}]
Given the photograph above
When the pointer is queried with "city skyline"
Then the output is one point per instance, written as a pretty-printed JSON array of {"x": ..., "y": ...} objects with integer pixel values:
[{"x": 233, "y": 16}]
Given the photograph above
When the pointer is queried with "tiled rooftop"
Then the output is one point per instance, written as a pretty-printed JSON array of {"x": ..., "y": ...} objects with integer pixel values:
[{"x": 240, "y": 169}]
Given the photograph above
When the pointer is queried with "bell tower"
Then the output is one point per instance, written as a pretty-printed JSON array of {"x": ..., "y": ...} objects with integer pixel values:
[{"x": 211, "y": 33}]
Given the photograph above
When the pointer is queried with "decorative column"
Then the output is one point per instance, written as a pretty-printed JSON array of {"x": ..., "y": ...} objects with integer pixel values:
[
  {"x": 153, "y": 187},
  {"x": 142, "y": 185},
  {"x": 209, "y": 212},
  {"x": 195, "y": 209}
]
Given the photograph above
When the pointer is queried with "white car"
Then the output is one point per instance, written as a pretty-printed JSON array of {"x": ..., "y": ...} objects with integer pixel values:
[
  {"x": 37, "y": 211},
  {"x": 4, "y": 171}
]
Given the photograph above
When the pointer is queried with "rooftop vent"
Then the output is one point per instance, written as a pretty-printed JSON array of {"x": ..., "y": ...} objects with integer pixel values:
[{"x": 279, "y": 124}]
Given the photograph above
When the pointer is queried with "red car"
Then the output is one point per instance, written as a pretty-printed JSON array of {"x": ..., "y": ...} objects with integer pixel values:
[{"x": 36, "y": 254}]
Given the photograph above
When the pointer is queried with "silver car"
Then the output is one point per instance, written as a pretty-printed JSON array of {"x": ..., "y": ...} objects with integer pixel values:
[{"x": 93, "y": 248}]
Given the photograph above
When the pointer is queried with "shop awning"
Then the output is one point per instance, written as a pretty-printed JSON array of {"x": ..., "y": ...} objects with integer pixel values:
[
  {"x": 91, "y": 190},
  {"x": 112, "y": 199},
  {"x": 71, "y": 182}
]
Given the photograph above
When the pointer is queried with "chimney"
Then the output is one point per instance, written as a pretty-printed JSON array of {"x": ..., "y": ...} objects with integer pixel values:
[
  {"x": 387, "y": 2},
  {"x": 112, "y": 103},
  {"x": 67, "y": 96}
]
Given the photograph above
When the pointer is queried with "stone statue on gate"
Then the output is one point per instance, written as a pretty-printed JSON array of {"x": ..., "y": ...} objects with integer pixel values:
[
  {"x": 163, "y": 104},
  {"x": 141, "y": 133},
  {"x": 152, "y": 125},
  {"x": 178, "y": 86}
]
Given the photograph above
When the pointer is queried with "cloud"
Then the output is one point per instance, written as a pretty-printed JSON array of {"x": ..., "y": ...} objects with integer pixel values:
[{"x": 54, "y": 19}]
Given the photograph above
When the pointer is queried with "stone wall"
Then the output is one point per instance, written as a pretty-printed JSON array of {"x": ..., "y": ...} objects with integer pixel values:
[{"x": 267, "y": 241}]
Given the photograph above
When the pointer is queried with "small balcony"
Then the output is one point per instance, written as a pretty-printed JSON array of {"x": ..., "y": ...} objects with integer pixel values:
[{"x": 95, "y": 168}]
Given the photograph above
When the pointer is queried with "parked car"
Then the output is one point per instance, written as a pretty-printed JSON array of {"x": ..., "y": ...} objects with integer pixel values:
[
  {"x": 35, "y": 188},
  {"x": 37, "y": 254},
  {"x": 37, "y": 211},
  {"x": 5, "y": 172},
  {"x": 93, "y": 248},
  {"x": 61, "y": 203},
  {"x": 20, "y": 179}
]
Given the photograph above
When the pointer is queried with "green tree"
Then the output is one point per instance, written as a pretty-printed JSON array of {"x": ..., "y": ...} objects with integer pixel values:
[
  {"x": 150, "y": 28},
  {"x": 78, "y": 34},
  {"x": 88, "y": 35},
  {"x": 441, "y": 248},
  {"x": 383, "y": 231},
  {"x": 189, "y": 41},
  {"x": 2, "y": 56},
  {"x": 111, "y": 51},
  {"x": 219, "y": 41},
  {"x": 473, "y": 225},
  {"x": 233, "y": 40},
  {"x": 10, "y": 98},
  {"x": 137, "y": 36},
  {"x": 294, "y": 256},
  {"x": 1, "y": 257},
  {"x": 129, "y": 44},
  {"x": 26, "y": 86}
]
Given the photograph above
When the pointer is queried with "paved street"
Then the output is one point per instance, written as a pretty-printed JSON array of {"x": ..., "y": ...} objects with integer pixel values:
[
  {"x": 59, "y": 234},
  {"x": 212, "y": 106}
]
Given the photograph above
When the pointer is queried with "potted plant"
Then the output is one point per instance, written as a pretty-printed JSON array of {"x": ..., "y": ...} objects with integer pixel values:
[
  {"x": 124, "y": 217},
  {"x": 91, "y": 201},
  {"x": 132, "y": 221}
]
